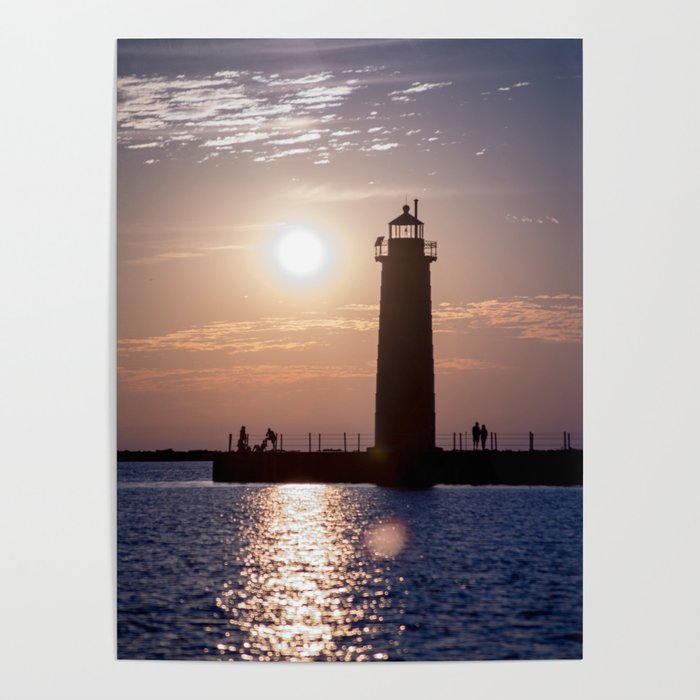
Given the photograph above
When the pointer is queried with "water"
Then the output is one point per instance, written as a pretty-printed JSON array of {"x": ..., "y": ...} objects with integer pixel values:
[{"x": 315, "y": 572}]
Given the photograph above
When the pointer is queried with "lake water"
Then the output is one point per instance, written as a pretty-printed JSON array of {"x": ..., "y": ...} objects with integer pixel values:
[{"x": 351, "y": 573}]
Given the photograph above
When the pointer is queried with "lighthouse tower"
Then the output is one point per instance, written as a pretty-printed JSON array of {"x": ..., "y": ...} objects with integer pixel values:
[{"x": 405, "y": 402}]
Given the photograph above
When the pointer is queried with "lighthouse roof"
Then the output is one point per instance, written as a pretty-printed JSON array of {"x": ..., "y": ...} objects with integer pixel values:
[{"x": 405, "y": 219}]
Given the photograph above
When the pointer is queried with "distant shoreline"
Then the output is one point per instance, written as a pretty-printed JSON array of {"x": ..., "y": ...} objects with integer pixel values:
[{"x": 167, "y": 455}]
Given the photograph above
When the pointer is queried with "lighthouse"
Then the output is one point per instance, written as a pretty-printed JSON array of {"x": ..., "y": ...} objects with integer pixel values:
[{"x": 404, "y": 418}]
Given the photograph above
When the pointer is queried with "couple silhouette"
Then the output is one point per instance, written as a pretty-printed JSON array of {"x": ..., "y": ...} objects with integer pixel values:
[{"x": 479, "y": 433}]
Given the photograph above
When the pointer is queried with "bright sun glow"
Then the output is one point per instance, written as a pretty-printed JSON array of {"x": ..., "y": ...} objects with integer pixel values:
[{"x": 301, "y": 253}]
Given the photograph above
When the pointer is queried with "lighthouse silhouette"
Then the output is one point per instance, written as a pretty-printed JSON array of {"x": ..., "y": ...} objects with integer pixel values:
[{"x": 404, "y": 419}]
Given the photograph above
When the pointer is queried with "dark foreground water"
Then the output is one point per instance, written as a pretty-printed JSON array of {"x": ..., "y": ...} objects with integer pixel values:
[{"x": 348, "y": 573}]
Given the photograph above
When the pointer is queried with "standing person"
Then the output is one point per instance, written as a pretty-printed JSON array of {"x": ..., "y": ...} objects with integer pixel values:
[
  {"x": 475, "y": 435},
  {"x": 272, "y": 437},
  {"x": 242, "y": 440},
  {"x": 484, "y": 435}
]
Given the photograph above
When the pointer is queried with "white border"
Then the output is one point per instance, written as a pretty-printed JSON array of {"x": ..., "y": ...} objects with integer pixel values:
[{"x": 641, "y": 347}]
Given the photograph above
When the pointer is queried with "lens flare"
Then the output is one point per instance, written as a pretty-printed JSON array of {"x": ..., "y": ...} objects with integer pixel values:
[{"x": 386, "y": 540}]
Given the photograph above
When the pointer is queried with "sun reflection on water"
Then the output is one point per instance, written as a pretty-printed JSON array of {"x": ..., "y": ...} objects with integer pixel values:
[{"x": 308, "y": 588}]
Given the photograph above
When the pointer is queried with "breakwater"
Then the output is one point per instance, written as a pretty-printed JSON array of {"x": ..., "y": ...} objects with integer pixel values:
[
  {"x": 168, "y": 455},
  {"x": 483, "y": 467}
]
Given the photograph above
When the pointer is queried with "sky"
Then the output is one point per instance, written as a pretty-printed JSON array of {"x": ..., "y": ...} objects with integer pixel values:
[{"x": 226, "y": 149}]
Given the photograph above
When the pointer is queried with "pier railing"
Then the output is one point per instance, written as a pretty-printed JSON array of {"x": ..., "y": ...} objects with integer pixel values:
[{"x": 459, "y": 441}]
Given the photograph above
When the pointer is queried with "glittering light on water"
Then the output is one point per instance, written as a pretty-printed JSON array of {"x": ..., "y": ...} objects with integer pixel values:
[{"x": 307, "y": 589}]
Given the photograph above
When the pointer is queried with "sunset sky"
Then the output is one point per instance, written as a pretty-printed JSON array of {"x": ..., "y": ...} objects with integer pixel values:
[{"x": 226, "y": 147}]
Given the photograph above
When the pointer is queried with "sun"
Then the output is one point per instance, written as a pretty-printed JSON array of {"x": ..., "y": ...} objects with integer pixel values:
[{"x": 301, "y": 253}]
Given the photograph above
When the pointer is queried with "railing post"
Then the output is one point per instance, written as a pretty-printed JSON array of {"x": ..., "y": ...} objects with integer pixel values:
[
  {"x": 491, "y": 440},
  {"x": 568, "y": 436},
  {"x": 309, "y": 442},
  {"x": 454, "y": 441},
  {"x": 345, "y": 442},
  {"x": 532, "y": 442},
  {"x": 495, "y": 440},
  {"x": 460, "y": 440},
  {"x": 281, "y": 441},
  {"x": 230, "y": 437},
  {"x": 564, "y": 440},
  {"x": 358, "y": 442},
  {"x": 319, "y": 442}
]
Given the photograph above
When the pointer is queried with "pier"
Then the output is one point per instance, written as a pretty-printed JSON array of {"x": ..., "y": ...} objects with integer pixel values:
[{"x": 413, "y": 470}]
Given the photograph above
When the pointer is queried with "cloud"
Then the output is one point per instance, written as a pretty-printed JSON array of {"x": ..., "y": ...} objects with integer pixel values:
[
  {"x": 168, "y": 255},
  {"x": 381, "y": 147},
  {"x": 373, "y": 308},
  {"x": 550, "y": 318},
  {"x": 233, "y": 377},
  {"x": 513, "y": 219},
  {"x": 323, "y": 95},
  {"x": 303, "y": 80},
  {"x": 302, "y": 138},
  {"x": 151, "y": 144},
  {"x": 241, "y": 138},
  {"x": 460, "y": 364},
  {"x": 281, "y": 154},
  {"x": 226, "y": 108},
  {"x": 250, "y": 107},
  {"x": 240, "y": 337},
  {"x": 271, "y": 350},
  {"x": 420, "y": 87},
  {"x": 163, "y": 257},
  {"x": 328, "y": 193},
  {"x": 220, "y": 111},
  {"x": 508, "y": 88}
]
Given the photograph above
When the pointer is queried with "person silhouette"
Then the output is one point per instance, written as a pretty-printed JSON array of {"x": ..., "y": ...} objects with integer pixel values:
[
  {"x": 475, "y": 434},
  {"x": 242, "y": 440},
  {"x": 484, "y": 434},
  {"x": 272, "y": 437}
]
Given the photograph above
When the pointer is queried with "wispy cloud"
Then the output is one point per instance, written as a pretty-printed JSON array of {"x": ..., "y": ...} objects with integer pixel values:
[
  {"x": 301, "y": 138},
  {"x": 251, "y": 107},
  {"x": 246, "y": 114},
  {"x": 278, "y": 333},
  {"x": 381, "y": 146},
  {"x": 163, "y": 252},
  {"x": 551, "y": 318},
  {"x": 283, "y": 350},
  {"x": 448, "y": 365},
  {"x": 417, "y": 87},
  {"x": 228, "y": 378},
  {"x": 513, "y": 219},
  {"x": 150, "y": 144},
  {"x": 508, "y": 88}
]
